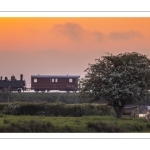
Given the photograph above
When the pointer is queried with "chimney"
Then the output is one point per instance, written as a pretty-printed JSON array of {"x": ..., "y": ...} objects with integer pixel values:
[
  {"x": 1, "y": 77},
  {"x": 21, "y": 77},
  {"x": 13, "y": 78}
]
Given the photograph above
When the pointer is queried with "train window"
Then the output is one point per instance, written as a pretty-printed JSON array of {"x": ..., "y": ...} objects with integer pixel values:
[
  {"x": 70, "y": 80},
  {"x": 56, "y": 80},
  {"x": 52, "y": 79},
  {"x": 35, "y": 80}
]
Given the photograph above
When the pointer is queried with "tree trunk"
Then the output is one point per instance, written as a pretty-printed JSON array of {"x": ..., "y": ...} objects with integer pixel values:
[{"x": 119, "y": 112}]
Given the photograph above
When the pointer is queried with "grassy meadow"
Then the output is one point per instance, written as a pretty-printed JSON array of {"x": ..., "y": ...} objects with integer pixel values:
[
  {"x": 63, "y": 113},
  {"x": 84, "y": 124},
  {"x": 68, "y": 98}
]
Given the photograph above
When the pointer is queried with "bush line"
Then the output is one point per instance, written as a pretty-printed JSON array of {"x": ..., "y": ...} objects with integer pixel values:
[{"x": 55, "y": 109}]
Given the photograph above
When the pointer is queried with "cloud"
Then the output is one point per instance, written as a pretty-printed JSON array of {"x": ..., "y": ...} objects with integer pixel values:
[
  {"x": 98, "y": 35},
  {"x": 72, "y": 30},
  {"x": 125, "y": 35}
]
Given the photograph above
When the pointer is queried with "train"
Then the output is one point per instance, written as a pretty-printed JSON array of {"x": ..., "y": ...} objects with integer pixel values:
[{"x": 42, "y": 83}]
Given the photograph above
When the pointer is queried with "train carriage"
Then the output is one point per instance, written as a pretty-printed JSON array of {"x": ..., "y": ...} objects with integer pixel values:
[{"x": 54, "y": 82}]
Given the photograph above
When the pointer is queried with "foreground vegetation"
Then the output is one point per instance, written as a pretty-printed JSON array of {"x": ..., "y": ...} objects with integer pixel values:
[
  {"x": 84, "y": 124},
  {"x": 68, "y": 98},
  {"x": 58, "y": 117},
  {"x": 61, "y": 113},
  {"x": 55, "y": 109}
]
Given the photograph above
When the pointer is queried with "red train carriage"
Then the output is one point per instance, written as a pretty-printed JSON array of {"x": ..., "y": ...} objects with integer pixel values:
[{"x": 54, "y": 82}]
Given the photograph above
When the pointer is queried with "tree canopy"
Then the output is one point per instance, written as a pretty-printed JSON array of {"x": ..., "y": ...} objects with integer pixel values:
[{"x": 120, "y": 80}]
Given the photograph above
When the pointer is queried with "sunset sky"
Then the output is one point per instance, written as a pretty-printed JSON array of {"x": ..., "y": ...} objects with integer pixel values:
[{"x": 60, "y": 46}]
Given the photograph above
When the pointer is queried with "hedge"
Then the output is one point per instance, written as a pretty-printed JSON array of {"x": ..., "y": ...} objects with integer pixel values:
[{"x": 55, "y": 109}]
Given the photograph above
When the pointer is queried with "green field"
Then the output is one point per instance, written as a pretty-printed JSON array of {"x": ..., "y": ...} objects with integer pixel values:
[
  {"x": 69, "y": 98},
  {"x": 62, "y": 113},
  {"x": 84, "y": 124}
]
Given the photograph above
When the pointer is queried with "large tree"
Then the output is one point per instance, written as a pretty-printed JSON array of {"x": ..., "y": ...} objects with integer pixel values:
[{"x": 120, "y": 80}]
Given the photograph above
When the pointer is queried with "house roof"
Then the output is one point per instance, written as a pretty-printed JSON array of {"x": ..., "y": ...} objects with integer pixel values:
[{"x": 54, "y": 76}]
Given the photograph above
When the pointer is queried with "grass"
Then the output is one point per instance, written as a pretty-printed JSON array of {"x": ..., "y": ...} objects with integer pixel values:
[
  {"x": 48, "y": 97},
  {"x": 84, "y": 124}
]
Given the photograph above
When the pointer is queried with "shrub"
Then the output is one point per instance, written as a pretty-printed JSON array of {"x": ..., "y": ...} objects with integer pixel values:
[
  {"x": 104, "y": 127},
  {"x": 3, "y": 105},
  {"x": 57, "y": 109},
  {"x": 11, "y": 109}
]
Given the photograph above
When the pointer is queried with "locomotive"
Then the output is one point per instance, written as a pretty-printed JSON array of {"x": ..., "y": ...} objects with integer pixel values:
[
  {"x": 42, "y": 83},
  {"x": 13, "y": 84}
]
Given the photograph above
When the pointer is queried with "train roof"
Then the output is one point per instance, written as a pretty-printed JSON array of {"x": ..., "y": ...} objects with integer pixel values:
[{"x": 54, "y": 76}]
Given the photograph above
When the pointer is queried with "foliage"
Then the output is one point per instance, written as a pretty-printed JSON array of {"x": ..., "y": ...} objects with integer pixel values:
[
  {"x": 56, "y": 109},
  {"x": 86, "y": 124},
  {"x": 121, "y": 80},
  {"x": 5, "y": 95}
]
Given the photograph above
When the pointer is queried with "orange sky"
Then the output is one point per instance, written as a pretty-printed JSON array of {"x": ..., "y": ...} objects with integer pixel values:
[{"x": 66, "y": 45}]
